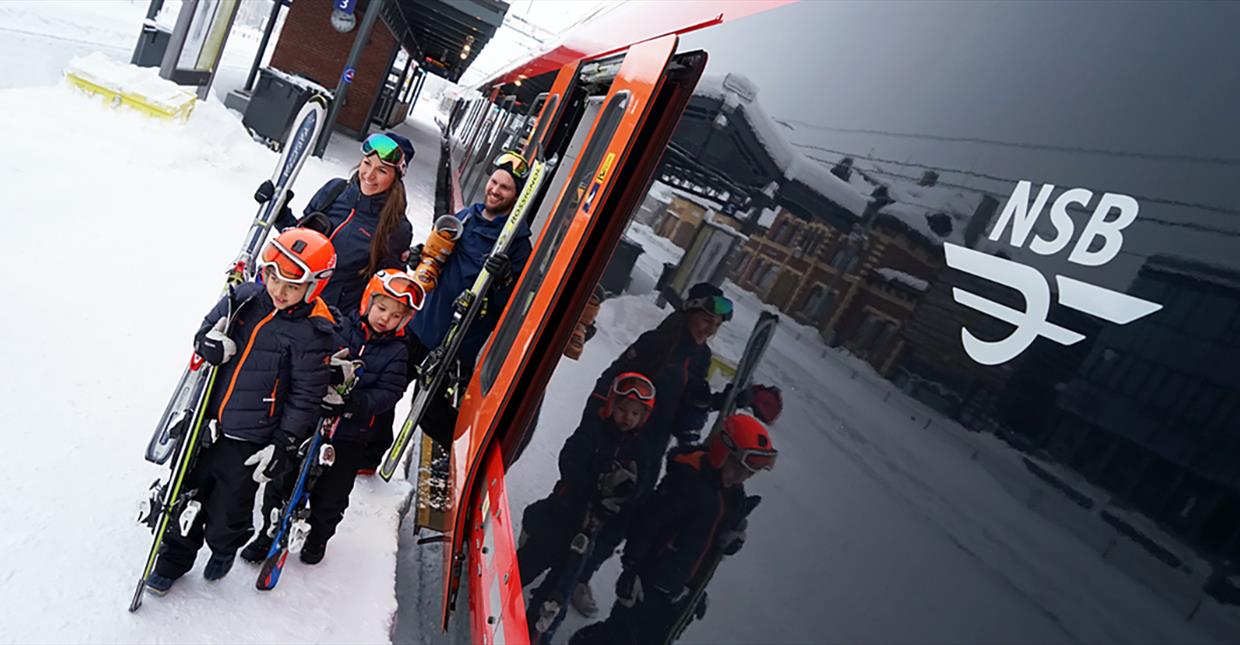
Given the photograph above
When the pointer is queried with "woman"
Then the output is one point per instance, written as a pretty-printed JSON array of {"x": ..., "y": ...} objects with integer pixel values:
[{"x": 364, "y": 216}]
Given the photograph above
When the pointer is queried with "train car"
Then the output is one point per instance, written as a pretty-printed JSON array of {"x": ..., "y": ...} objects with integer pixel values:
[{"x": 997, "y": 247}]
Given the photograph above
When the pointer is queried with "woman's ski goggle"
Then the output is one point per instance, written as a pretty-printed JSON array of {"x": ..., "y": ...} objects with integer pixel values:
[
  {"x": 717, "y": 305},
  {"x": 752, "y": 459},
  {"x": 401, "y": 288},
  {"x": 634, "y": 385},
  {"x": 287, "y": 265},
  {"x": 515, "y": 163},
  {"x": 386, "y": 148}
]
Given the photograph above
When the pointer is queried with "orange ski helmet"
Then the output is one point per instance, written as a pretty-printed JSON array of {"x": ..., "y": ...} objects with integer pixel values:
[
  {"x": 300, "y": 256},
  {"x": 397, "y": 285},
  {"x": 745, "y": 438},
  {"x": 630, "y": 385}
]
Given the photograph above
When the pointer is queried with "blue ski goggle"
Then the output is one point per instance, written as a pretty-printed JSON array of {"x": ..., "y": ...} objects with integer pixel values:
[
  {"x": 717, "y": 305},
  {"x": 386, "y": 149}
]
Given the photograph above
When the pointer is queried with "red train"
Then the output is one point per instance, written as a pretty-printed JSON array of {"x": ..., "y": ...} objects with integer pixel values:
[{"x": 1001, "y": 240}]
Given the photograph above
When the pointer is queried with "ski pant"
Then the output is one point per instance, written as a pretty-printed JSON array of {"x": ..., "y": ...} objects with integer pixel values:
[
  {"x": 551, "y": 525},
  {"x": 225, "y": 487},
  {"x": 440, "y": 419},
  {"x": 606, "y": 542},
  {"x": 649, "y": 621},
  {"x": 328, "y": 498}
]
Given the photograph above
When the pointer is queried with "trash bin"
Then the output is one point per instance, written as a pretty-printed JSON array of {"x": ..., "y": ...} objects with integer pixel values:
[
  {"x": 620, "y": 270},
  {"x": 152, "y": 43},
  {"x": 276, "y": 100}
]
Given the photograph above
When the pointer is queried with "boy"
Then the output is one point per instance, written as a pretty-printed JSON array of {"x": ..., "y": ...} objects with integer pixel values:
[
  {"x": 271, "y": 355},
  {"x": 600, "y": 467},
  {"x": 697, "y": 515},
  {"x": 375, "y": 334}
]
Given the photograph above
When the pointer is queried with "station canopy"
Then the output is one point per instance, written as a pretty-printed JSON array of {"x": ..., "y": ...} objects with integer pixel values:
[{"x": 445, "y": 35}]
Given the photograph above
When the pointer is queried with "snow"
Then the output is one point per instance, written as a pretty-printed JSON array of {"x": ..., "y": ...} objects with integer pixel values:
[
  {"x": 125, "y": 78},
  {"x": 299, "y": 81},
  {"x": 892, "y": 275},
  {"x": 144, "y": 215},
  {"x": 735, "y": 90}
]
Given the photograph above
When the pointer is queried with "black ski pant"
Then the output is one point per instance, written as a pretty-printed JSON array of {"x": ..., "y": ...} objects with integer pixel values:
[
  {"x": 329, "y": 496},
  {"x": 548, "y": 526},
  {"x": 225, "y": 487},
  {"x": 649, "y": 621},
  {"x": 440, "y": 420}
]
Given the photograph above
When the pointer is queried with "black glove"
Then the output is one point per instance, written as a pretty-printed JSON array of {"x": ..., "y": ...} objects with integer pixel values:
[
  {"x": 617, "y": 485},
  {"x": 275, "y": 460},
  {"x": 699, "y": 612},
  {"x": 415, "y": 252},
  {"x": 216, "y": 347},
  {"x": 332, "y": 407},
  {"x": 316, "y": 221},
  {"x": 731, "y": 540},
  {"x": 499, "y": 266}
]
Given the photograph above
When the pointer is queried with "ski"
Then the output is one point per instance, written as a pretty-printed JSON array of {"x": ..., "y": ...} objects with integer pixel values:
[
  {"x": 435, "y": 369},
  {"x": 755, "y": 348},
  {"x": 697, "y": 587},
  {"x": 272, "y": 196},
  {"x": 291, "y": 522}
]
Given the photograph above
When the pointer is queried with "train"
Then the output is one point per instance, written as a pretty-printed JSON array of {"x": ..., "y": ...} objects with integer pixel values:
[{"x": 1001, "y": 243}]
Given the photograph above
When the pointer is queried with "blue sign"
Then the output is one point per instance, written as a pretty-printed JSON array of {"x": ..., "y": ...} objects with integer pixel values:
[
  {"x": 346, "y": 5},
  {"x": 348, "y": 75}
]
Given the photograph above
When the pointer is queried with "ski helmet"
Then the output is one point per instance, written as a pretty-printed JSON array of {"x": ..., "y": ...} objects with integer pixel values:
[
  {"x": 397, "y": 285},
  {"x": 301, "y": 256},
  {"x": 746, "y": 439},
  {"x": 630, "y": 385}
]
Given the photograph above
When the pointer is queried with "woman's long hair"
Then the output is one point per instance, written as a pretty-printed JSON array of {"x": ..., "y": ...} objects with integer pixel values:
[{"x": 393, "y": 212}]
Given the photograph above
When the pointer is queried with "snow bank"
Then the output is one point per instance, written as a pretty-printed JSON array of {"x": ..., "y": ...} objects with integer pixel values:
[
  {"x": 130, "y": 79},
  {"x": 892, "y": 275}
]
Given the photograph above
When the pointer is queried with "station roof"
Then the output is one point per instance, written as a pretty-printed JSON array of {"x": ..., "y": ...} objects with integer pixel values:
[{"x": 437, "y": 32}]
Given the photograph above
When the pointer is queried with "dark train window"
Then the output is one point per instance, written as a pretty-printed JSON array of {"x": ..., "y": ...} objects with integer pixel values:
[{"x": 556, "y": 228}]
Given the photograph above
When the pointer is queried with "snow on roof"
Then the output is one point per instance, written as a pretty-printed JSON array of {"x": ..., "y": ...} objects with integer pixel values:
[
  {"x": 735, "y": 90},
  {"x": 915, "y": 203},
  {"x": 893, "y": 275},
  {"x": 767, "y": 217},
  {"x": 299, "y": 81},
  {"x": 693, "y": 198}
]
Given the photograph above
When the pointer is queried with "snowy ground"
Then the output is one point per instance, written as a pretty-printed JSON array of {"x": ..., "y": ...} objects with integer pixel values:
[
  {"x": 919, "y": 531},
  {"x": 134, "y": 221}
]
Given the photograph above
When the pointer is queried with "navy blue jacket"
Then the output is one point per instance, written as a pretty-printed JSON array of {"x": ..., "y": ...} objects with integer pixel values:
[
  {"x": 458, "y": 274},
  {"x": 673, "y": 377},
  {"x": 381, "y": 384},
  {"x": 679, "y": 526},
  {"x": 354, "y": 217},
  {"x": 589, "y": 453},
  {"x": 272, "y": 387}
]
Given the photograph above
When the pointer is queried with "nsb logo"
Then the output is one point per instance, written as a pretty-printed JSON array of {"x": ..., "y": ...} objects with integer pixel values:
[{"x": 1100, "y": 241}]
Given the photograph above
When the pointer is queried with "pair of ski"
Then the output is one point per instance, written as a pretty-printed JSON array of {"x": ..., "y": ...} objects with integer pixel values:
[
  {"x": 178, "y": 435},
  {"x": 440, "y": 368}
]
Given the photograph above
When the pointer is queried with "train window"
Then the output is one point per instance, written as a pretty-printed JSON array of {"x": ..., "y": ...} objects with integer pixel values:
[
  {"x": 553, "y": 102},
  {"x": 557, "y": 226}
]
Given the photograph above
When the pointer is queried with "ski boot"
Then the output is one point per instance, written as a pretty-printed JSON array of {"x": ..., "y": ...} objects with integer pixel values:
[
  {"x": 218, "y": 566},
  {"x": 256, "y": 551},
  {"x": 435, "y": 252},
  {"x": 312, "y": 552},
  {"x": 157, "y": 584}
]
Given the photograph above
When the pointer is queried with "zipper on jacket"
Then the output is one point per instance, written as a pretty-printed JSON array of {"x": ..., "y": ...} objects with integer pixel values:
[
  {"x": 271, "y": 411},
  {"x": 343, "y": 224}
]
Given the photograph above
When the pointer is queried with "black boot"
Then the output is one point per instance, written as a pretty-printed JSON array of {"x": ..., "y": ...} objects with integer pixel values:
[
  {"x": 313, "y": 551},
  {"x": 218, "y": 566},
  {"x": 256, "y": 550}
]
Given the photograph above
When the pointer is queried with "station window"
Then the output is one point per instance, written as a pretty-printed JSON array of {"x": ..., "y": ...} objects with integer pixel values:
[{"x": 557, "y": 226}]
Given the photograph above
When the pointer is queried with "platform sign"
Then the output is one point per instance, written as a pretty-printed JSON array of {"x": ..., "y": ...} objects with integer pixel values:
[{"x": 348, "y": 74}]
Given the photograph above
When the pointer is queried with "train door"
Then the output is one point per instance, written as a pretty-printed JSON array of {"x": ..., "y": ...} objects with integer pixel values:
[{"x": 595, "y": 189}]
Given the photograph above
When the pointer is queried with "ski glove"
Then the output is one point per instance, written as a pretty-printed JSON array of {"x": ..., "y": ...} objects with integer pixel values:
[
  {"x": 617, "y": 485},
  {"x": 216, "y": 347},
  {"x": 731, "y": 540},
  {"x": 629, "y": 588},
  {"x": 343, "y": 369},
  {"x": 273, "y": 461},
  {"x": 499, "y": 266},
  {"x": 699, "y": 612}
]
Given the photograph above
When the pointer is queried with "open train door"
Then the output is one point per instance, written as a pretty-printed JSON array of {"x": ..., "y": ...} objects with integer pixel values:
[{"x": 613, "y": 152}]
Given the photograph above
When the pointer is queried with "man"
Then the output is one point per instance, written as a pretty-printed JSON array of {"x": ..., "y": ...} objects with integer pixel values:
[{"x": 482, "y": 225}]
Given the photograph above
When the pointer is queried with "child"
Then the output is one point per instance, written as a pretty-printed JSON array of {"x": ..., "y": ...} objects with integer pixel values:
[
  {"x": 600, "y": 467},
  {"x": 272, "y": 371},
  {"x": 375, "y": 334},
  {"x": 697, "y": 514}
]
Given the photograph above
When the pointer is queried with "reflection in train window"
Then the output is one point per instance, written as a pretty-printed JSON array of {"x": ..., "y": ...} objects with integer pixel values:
[{"x": 554, "y": 233}]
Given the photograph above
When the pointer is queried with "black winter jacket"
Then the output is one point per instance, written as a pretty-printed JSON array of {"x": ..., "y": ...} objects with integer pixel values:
[
  {"x": 274, "y": 383},
  {"x": 382, "y": 380},
  {"x": 589, "y": 453},
  {"x": 679, "y": 526},
  {"x": 354, "y": 217}
]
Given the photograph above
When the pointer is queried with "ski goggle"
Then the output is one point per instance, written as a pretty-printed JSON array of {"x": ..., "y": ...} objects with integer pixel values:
[
  {"x": 633, "y": 385},
  {"x": 287, "y": 265},
  {"x": 400, "y": 286},
  {"x": 753, "y": 459},
  {"x": 386, "y": 148},
  {"x": 717, "y": 305},
  {"x": 515, "y": 163}
]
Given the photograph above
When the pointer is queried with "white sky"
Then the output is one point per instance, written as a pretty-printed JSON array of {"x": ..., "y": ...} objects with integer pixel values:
[{"x": 527, "y": 19}]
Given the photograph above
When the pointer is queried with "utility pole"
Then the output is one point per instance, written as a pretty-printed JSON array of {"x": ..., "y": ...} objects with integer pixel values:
[{"x": 346, "y": 74}]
